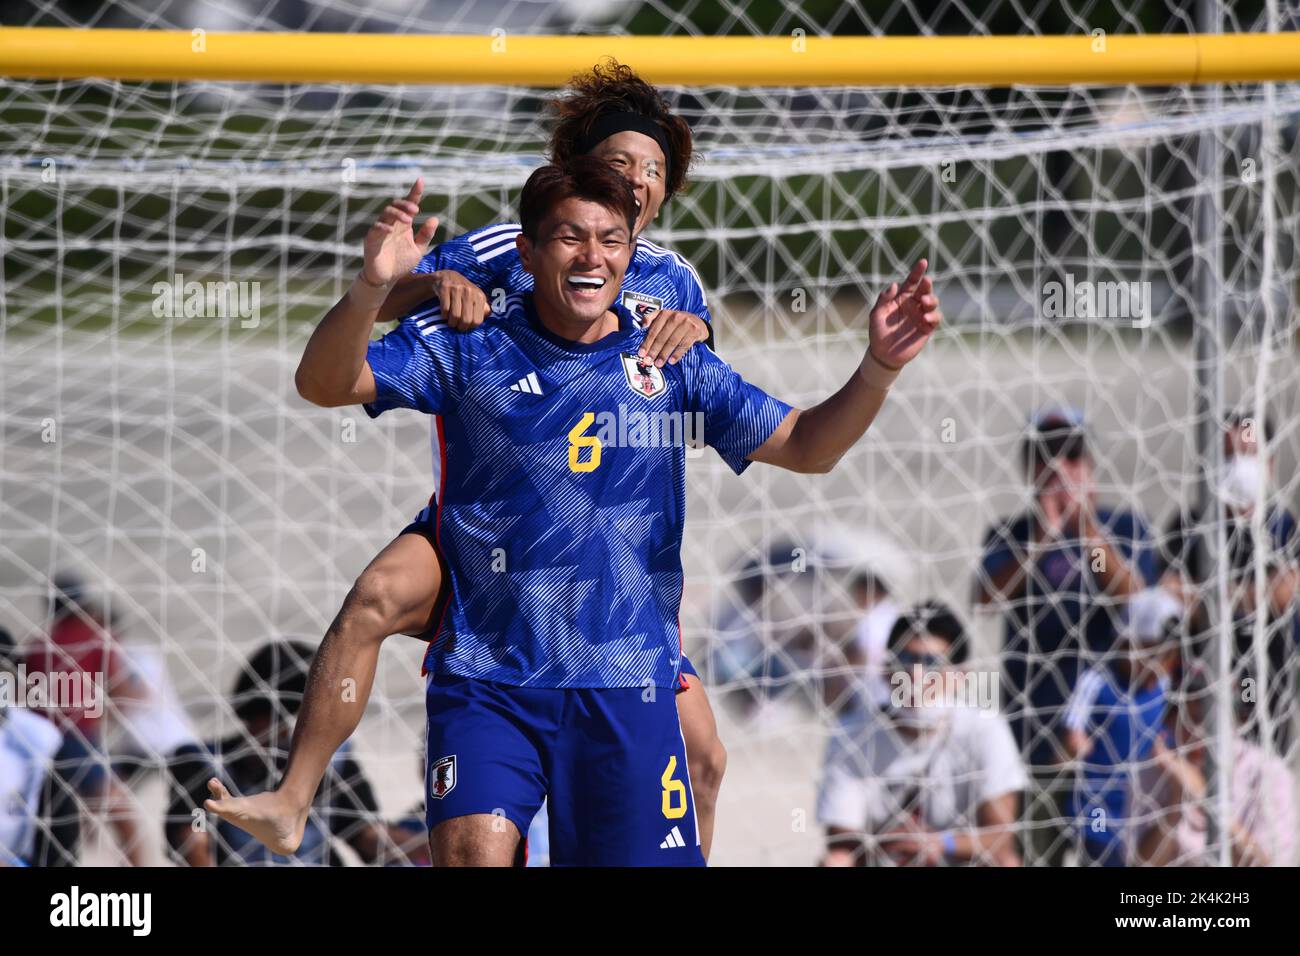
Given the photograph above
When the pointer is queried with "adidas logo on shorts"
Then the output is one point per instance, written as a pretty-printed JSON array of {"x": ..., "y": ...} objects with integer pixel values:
[{"x": 673, "y": 841}]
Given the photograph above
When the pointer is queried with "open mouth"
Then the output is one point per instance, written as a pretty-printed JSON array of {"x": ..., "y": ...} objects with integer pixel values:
[{"x": 586, "y": 285}]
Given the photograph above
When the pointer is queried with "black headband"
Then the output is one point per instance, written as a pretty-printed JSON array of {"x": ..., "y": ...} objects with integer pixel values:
[{"x": 607, "y": 124}]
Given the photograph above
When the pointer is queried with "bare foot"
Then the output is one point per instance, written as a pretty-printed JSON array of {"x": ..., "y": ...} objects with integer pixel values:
[{"x": 270, "y": 817}]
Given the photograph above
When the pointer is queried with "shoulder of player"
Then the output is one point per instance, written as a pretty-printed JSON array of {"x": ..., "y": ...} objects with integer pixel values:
[
  {"x": 428, "y": 323},
  {"x": 699, "y": 358},
  {"x": 660, "y": 257},
  {"x": 490, "y": 243}
]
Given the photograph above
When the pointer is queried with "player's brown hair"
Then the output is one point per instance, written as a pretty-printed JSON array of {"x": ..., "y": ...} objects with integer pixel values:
[
  {"x": 584, "y": 177},
  {"x": 611, "y": 87}
]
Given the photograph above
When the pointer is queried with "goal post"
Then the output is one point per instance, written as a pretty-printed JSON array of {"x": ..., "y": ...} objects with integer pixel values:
[
  {"x": 1097, "y": 59},
  {"x": 1111, "y": 216}
]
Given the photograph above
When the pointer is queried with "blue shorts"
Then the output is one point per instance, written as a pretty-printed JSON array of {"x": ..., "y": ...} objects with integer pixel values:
[{"x": 612, "y": 763}]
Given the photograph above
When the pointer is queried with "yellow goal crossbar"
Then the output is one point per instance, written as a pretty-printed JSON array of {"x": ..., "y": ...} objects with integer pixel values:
[{"x": 549, "y": 61}]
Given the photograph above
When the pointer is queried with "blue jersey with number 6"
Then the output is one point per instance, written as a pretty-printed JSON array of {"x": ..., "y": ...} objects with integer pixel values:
[{"x": 563, "y": 491}]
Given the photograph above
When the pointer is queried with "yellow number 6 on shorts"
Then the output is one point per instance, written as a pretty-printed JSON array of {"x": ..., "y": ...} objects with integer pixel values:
[{"x": 673, "y": 810}]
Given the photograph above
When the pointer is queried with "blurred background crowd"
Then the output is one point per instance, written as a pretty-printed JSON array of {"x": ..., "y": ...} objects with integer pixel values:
[{"x": 1100, "y": 730}]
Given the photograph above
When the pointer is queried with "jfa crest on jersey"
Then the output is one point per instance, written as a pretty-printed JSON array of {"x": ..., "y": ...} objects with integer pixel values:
[
  {"x": 643, "y": 377},
  {"x": 642, "y": 306}
]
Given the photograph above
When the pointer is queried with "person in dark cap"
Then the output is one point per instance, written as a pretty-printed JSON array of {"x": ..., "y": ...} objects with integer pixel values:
[
  {"x": 1060, "y": 572},
  {"x": 266, "y": 698}
]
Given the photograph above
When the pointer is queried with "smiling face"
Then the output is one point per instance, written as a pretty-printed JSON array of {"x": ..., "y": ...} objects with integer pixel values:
[
  {"x": 577, "y": 263},
  {"x": 638, "y": 159}
]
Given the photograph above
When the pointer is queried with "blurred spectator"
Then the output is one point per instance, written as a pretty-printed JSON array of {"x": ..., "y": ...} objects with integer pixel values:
[
  {"x": 1182, "y": 567},
  {"x": 764, "y": 650},
  {"x": 923, "y": 780},
  {"x": 265, "y": 699},
  {"x": 1169, "y": 796},
  {"x": 855, "y": 662},
  {"x": 28, "y": 743},
  {"x": 1114, "y": 719},
  {"x": 1058, "y": 572},
  {"x": 81, "y": 652},
  {"x": 154, "y": 724}
]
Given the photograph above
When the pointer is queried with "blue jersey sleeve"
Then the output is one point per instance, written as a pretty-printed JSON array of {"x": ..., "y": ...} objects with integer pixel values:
[
  {"x": 692, "y": 293},
  {"x": 480, "y": 256},
  {"x": 420, "y": 364},
  {"x": 692, "y": 299},
  {"x": 737, "y": 416}
]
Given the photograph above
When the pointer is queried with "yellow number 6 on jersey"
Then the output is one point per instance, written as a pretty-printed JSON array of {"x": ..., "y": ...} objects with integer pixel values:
[
  {"x": 579, "y": 441},
  {"x": 674, "y": 809}
]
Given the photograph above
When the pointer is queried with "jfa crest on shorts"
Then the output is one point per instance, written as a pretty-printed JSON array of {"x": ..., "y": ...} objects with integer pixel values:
[{"x": 442, "y": 777}]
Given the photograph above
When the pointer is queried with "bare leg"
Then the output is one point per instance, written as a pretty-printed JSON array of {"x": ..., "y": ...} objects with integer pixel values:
[
  {"x": 396, "y": 593},
  {"x": 705, "y": 756},
  {"x": 478, "y": 839}
]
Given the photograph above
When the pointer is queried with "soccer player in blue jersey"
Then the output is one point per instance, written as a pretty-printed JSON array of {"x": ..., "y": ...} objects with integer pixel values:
[
  {"x": 543, "y": 677},
  {"x": 612, "y": 114}
]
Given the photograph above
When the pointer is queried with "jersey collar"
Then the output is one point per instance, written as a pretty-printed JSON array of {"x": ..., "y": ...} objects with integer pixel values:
[{"x": 627, "y": 327}]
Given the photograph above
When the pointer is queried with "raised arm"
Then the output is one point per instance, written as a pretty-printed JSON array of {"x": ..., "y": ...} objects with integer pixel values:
[
  {"x": 814, "y": 439},
  {"x": 333, "y": 369}
]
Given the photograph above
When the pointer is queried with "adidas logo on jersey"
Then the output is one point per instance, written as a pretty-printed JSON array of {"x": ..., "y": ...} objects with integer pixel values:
[
  {"x": 528, "y": 384},
  {"x": 673, "y": 841}
]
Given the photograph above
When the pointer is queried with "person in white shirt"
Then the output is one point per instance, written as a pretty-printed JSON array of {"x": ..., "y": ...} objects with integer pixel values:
[
  {"x": 928, "y": 778},
  {"x": 28, "y": 743}
]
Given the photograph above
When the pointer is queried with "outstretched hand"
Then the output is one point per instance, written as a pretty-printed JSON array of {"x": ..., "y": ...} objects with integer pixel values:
[
  {"x": 393, "y": 247},
  {"x": 904, "y": 318}
]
